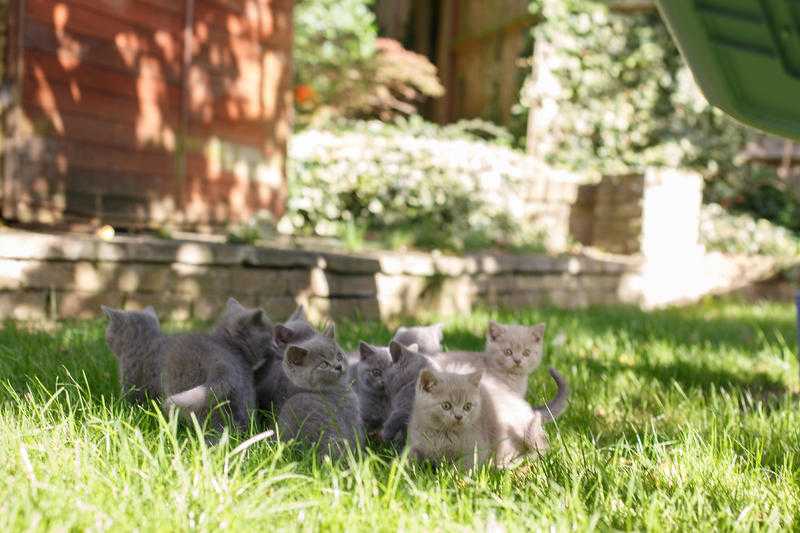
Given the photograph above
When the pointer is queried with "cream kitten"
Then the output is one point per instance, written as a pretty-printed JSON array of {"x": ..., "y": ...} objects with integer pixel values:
[
  {"x": 446, "y": 421},
  {"x": 512, "y": 353},
  {"x": 471, "y": 418}
]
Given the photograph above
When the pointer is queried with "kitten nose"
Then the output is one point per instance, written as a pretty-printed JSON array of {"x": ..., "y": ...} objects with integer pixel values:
[
  {"x": 517, "y": 362},
  {"x": 459, "y": 417},
  {"x": 339, "y": 368}
]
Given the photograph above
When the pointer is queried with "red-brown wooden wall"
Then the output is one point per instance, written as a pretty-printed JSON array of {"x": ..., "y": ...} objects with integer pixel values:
[{"x": 145, "y": 112}]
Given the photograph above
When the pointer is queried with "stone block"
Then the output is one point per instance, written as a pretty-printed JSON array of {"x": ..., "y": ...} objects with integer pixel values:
[
  {"x": 78, "y": 304},
  {"x": 24, "y": 305},
  {"x": 169, "y": 306}
]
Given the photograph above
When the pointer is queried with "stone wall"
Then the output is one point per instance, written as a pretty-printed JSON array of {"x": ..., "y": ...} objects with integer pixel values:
[
  {"x": 654, "y": 213},
  {"x": 45, "y": 277},
  {"x": 60, "y": 277}
]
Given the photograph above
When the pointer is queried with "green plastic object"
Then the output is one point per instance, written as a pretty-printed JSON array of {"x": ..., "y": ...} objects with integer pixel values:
[{"x": 745, "y": 56}]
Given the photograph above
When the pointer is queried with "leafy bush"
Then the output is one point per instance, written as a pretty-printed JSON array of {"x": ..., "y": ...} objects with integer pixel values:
[
  {"x": 446, "y": 188},
  {"x": 342, "y": 69},
  {"x": 725, "y": 232},
  {"x": 625, "y": 99}
]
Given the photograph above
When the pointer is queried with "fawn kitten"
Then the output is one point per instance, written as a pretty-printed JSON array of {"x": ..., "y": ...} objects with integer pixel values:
[
  {"x": 400, "y": 380},
  {"x": 325, "y": 409},
  {"x": 192, "y": 371},
  {"x": 427, "y": 338},
  {"x": 512, "y": 353},
  {"x": 446, "y": 421},
  {"x": 472, "y": 419}
]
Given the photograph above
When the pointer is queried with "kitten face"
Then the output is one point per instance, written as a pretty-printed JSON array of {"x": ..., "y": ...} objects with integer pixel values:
[
  {"x": 317, "y": 362},
  {"x": 128, "y": 328},
  {"x": 515, "y": 349},
  {"x": 250, "y": 330},
  {"x": 371, "y": 367},
  {"x": 447, "y": 401},
  {"x": 428, "y": 338}
]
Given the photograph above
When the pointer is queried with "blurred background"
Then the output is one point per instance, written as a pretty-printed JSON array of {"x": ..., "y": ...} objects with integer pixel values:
[{"x": 364, "y": 126}]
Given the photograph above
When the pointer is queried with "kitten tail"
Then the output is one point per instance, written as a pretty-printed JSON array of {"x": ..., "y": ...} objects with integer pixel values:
[{"x": 555, "y": 407}]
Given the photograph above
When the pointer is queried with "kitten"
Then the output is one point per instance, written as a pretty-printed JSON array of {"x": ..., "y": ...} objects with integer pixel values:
[
  {"x": 273, "y": 387},
  {"x": 428, "y": 338},
  {"x": 326, "y": 409},
  {"x": 472, "y": 419},
  {"x": 400, "y": 380},
  {"x": 512, "y": 353},
  {"x": 192, "y": 371},
  {"x": 367, "y": 376},
  {"x": 446, "y": 421}
]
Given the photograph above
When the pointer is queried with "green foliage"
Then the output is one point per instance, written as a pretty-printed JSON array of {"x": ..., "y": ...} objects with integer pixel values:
[
  {"x": 742, "y": 234},
  {"x": 679, "y": 420},
  {"x": 410, "y": 181},
  {"x": 342, "y": 69},
  {"x": 626, "y": 101}
]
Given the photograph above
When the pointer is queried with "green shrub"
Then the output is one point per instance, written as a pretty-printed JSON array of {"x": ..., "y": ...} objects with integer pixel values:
[
  {"x": 410, "y": 182},
  {"x": 725, "y": 232},
  {"x": 342, "y": 68}
]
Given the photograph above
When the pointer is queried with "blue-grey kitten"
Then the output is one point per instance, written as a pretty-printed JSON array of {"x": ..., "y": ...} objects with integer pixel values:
[
  {"x": 367, "y": 376},
  {"x": 273, "y": 386},
  {"x": 194, "y": 372},
  {"x": 427, "y": 338},
  {"x": 400, "y": 380},
  {"x": 325, "y": 410}
]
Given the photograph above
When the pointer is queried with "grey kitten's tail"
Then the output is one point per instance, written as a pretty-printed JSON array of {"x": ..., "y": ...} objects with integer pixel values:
[
  {"x": 201, "y": 399},
  {"x": 555, "y": 407}
]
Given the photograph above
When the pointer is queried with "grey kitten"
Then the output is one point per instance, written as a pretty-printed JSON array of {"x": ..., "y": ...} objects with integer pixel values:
[
  {"x": 512, "y": 353},
  {"x": 273, "y": 387},
  {"x": 367, "y": 376},
  {"x": 327, "y": 410},
  {"x": 427, "y": 338},
  {"x": 446, "y": 422},
  {"x": 192, "y": 371},
  {"x": 400, "y": 380}
]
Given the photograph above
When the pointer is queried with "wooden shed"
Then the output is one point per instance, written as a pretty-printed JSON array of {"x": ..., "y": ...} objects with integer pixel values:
[
  {"x": 140, "y": 113},
  {"x": 478, "y": 46}
]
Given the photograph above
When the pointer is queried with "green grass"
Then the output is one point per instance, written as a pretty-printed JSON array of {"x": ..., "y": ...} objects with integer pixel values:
[{"x": 683, "y": 419}]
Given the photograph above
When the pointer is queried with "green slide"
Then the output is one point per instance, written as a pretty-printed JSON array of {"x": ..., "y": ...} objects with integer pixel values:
[{"x": 745, "y": 55}]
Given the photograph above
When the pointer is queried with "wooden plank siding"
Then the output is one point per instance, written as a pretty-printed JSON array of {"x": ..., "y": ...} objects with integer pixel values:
[{"x": 141, "y": 113}]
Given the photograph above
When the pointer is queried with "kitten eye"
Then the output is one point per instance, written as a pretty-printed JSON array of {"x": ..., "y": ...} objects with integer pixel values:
[
  {"x": 467, "y": 406},
  {"x": 526, "y": 353},
  {"x": 339, "y": 356},
  {"x": 508, "y": 352},
  {"x": 377, "y": 372},
  {"x": 325, "y": 364},
  {"x": 447, "y": 406}
]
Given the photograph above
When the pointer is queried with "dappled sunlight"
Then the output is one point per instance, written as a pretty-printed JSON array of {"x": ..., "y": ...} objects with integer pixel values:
[{"x": 121, "y": 101}]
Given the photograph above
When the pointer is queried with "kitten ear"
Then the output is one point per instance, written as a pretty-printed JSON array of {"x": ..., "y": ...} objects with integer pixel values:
[
  {"x": 495, "y": 330},
  {"x": 150, "y": 310},
  {"x": 330, "y": 331},
  {"x": 283, "y": 334},
  {"x": 109, "y": 312},
  {"x": 475, "y": 378},
  {"x": 537, "y": 332},
  {"x": 414, "y": 347},
  {"x": 259, "y": 318},
  {"x": 296, "y": 355},
  {"x": 365, "y": 350},
  {"x": 233, "y": 304},
  {"x": 439, "y": 328},
  {"x": 299, "y": 314},
  {"x": 397, "y": 351},
  {"x": 427, "y": 380}
]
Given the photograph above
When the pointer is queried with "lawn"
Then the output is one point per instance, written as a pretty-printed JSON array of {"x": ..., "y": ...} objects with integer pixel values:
[{"x": 680, "y": 419}]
